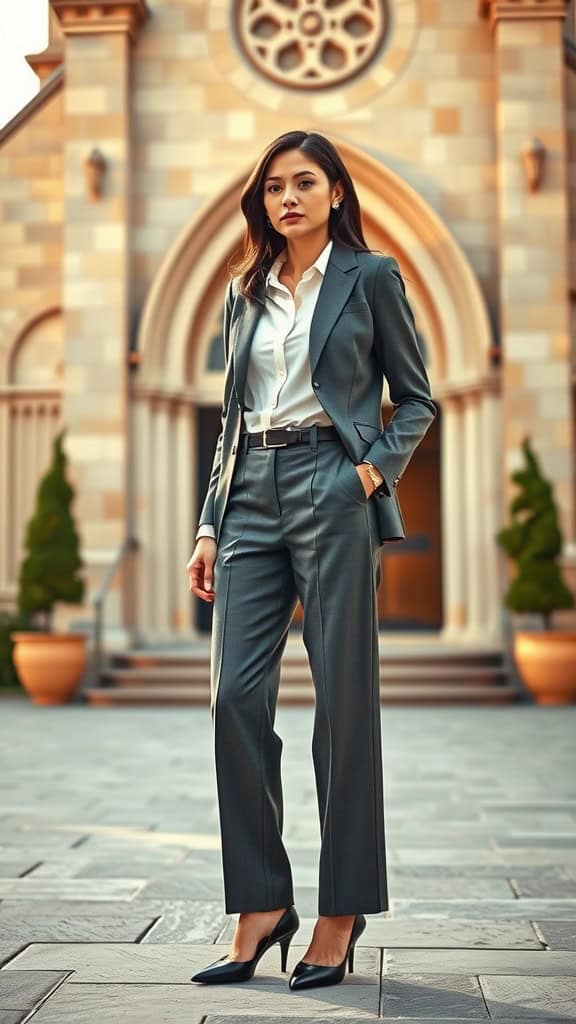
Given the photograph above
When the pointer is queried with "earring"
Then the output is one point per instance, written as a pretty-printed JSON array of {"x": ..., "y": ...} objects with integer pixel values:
[{"x": 335, "y": 205}]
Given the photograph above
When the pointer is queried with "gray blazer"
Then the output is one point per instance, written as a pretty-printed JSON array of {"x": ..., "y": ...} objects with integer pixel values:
[{"x": 362, "y": 330}]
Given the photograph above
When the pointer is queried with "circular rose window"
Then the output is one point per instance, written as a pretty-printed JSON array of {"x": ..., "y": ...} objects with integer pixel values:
[{"x": 310, "y": 44}]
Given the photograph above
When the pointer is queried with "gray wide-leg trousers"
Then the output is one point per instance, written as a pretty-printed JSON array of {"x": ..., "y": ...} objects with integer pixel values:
[{"x": 298, "y": 524}]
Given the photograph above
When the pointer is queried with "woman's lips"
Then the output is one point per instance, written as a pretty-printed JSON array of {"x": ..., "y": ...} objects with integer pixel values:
[{"x": 292, "y": 216}]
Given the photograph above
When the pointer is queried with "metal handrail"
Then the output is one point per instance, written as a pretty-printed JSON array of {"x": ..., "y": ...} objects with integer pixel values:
[{"x": 128, "y": 544}]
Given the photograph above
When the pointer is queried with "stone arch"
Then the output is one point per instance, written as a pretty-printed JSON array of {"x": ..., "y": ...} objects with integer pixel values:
[
  {"x": 34, "y": 351},
  {"x": 31, "y": 372}
]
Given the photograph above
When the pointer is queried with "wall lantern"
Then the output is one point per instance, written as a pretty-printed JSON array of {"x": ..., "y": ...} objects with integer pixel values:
[
  {"x": 95, "y": 165},
  {"x": 534, "y": 159}
]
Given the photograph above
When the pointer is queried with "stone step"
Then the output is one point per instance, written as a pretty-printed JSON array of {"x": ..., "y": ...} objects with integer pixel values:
[
  {"x": 294, "y": 675},
  {"x": 295, "y": 653},
  {"x": 303, "y": 694},
  {"x": 422, "y": 672}
]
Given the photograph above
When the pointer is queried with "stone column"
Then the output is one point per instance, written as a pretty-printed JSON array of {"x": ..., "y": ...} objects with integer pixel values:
[
  {"x": 490, "y": 504},
  {"x": 183, "y": 533},
  {"x": 141, "y": 415},
  {"x": 454, "y": 557},
  {"x": 96, "y": 269},
  {"x": 534, "y": 218},
  {"x": 473, "y": 515},
  {"x": 161, "y": 538}
]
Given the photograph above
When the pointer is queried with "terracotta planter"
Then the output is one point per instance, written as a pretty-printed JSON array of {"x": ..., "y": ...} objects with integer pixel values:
[
  {"x": 49, "y": 665},
  {"x": 547, "y": 664}
]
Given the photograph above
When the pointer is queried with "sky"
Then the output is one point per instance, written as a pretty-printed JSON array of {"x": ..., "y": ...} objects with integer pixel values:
[{"x": 23, "y": 29}]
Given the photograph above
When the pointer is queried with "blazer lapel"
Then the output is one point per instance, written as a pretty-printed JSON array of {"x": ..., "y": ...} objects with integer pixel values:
[
  {"x": 241, "y": 334},
  {"x": 342, "y": 272},
  {"x": 340, "y": 276}
]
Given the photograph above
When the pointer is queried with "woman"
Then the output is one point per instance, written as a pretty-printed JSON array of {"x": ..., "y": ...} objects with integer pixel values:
[{"x": 300, "y": 499}]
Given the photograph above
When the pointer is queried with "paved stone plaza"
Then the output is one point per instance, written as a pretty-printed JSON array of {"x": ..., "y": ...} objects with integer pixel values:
[{"x": 110, "y": 874}]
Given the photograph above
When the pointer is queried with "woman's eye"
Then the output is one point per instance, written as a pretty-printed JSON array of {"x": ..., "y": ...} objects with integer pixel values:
[{"x": 304, "y": 182}]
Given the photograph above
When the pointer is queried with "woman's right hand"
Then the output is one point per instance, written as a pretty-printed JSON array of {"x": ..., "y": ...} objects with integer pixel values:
[{"x": 200, "y": 569}]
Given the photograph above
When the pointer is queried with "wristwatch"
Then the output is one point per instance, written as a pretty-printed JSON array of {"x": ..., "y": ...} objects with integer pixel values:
[{"x": 374, "y": 473}]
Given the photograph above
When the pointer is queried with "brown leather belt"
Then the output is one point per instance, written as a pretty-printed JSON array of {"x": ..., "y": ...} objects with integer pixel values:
[{"x": 281, "y": 437}]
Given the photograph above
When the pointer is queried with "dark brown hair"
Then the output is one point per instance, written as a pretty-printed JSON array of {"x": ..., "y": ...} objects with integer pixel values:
[{"x": 262, "y": 243}]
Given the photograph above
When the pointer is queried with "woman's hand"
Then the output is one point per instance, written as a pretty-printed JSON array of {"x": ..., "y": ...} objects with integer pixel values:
[
  {"x": 200, "y": 569},
  {"x": 367, "y": 482}
]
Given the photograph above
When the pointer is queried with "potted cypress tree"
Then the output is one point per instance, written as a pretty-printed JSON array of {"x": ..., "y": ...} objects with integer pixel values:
[
  {"x": 49, "y": 664},
  {"x": 546, "y": 659}
]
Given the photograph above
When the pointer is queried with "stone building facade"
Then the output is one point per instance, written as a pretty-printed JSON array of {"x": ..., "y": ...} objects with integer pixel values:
[{"x": 119, "y": 211}]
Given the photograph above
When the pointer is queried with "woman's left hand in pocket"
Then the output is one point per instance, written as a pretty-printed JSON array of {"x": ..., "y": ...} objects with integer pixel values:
[{"x": 368, "y": 485}]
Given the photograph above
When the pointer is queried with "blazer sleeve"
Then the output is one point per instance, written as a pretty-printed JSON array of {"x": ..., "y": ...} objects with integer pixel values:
[
  {"x": 398, "y": 352},
  {"x": 207, "y": 512}
]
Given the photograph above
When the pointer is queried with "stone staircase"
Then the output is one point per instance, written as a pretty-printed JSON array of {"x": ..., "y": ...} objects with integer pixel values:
[{"x": 410, "y": 673}]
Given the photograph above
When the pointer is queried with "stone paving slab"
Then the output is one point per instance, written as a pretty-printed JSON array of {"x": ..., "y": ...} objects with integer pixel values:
[
  {"x": 544, "y": 888},
  {"x": 8, "y": 948},
  {"x": 194, "y": 888},
  {"x": 185, "y": 1004},
  {"x": 460, "y": 887},
  {"x": 33, "y": 854},
  {"x": 450, "y": 842},
  {"x": 423, "y": 996},
  {"x": 485, "y": 961},
  {"x": 25, "y": 990},
  {"x": 137, "y": 1004},
  {"x": 502, "y": 858},
  {"x": 483, "y": 909},
  {"x": 145, "y": 920},
  {"x": 170, "y": 965},
  {"x": 217, "y": 1019},
  {"x": 428, "y": 934},
  {"x": 548, "y": 806},
  {"x": 530, "y": 998},
  {"x": 107, "y": 845},
  {"x": 22, "y": 837},
  {"x": 533, "y": 841},
  {"x": 506, "y": 820},
  {"x": 31, "y": 888},
  {"x": 15, "y": 868},
  {"x": 21, "y": 930},
  {"x": 210, "y": 1019},
  {"x": 208, "y": 862},
  {"x": 504, "y": 870},
  {"x": 558, "y": 934}
]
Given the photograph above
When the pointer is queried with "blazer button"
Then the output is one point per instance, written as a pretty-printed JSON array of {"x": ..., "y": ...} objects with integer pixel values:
[
  {"x": 233, "y": 449},
  {"x": 315, "y": 384},
  {"x": 396, "y": 480}
]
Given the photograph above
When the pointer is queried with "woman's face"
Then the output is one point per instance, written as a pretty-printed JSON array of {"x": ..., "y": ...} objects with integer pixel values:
[{"x": 294, "y": 183}]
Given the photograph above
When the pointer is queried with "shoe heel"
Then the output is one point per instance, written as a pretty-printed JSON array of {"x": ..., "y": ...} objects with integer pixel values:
[
  {"x": 358, "y": 927},
  {"x": 284, "y": 947}
]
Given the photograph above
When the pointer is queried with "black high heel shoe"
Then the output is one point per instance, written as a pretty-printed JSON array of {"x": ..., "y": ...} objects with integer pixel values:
[
  {"x": 224, "y": 970},
  {"x": 310, "y": 975}
]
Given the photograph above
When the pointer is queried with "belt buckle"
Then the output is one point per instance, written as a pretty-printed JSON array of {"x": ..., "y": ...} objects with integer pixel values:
[{"x": 281, "y": 444}]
